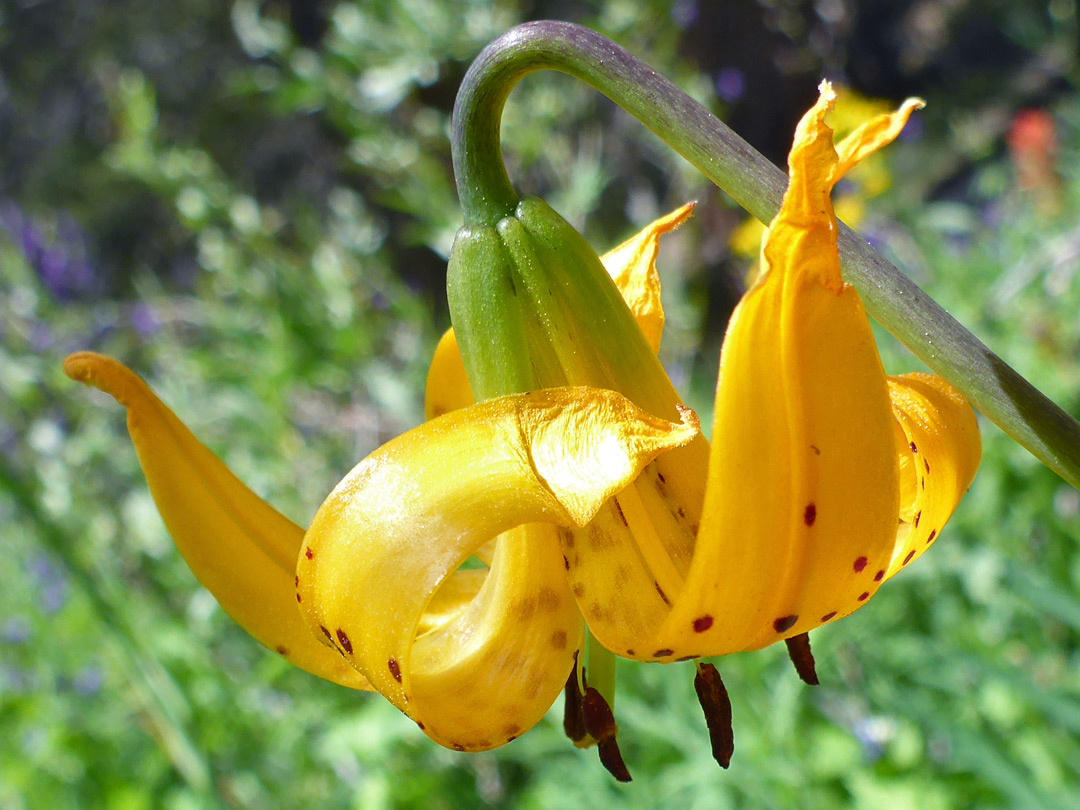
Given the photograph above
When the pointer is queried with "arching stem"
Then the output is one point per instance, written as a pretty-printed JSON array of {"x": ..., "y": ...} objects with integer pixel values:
[{"x": 898, "y": 304}]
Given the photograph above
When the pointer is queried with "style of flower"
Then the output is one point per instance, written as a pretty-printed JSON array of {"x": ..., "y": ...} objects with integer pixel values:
[{"x": 607, "y": 523}]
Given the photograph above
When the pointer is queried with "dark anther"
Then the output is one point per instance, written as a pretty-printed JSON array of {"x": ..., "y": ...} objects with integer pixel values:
[
  {"x": 600, "y": 724},
  {"x": 717, "y": 707},
  {"x": 798, "y": 648},
  {"x": 573, "y": 723}
]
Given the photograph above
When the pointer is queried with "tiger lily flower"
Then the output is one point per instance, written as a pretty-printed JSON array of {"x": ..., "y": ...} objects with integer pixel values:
[{"x": 618, "y": 530}]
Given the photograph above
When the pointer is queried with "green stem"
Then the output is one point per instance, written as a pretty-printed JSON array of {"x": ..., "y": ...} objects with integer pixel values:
[{"x": 1005, "y": 397}]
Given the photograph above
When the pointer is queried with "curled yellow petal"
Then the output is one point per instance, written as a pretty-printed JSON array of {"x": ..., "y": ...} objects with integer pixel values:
[
  {"x": 800, "y": 512},
  {"x": 407, "y": 517},
  {"x": 238, "y": 546},
  {"x": 939, "y": 455},
  {"x": 874, "y": 134},
  {"x": 632, "y": 266}
]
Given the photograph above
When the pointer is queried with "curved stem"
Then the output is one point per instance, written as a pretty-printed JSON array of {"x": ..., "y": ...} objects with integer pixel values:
[{"x": 896, "y": 302}]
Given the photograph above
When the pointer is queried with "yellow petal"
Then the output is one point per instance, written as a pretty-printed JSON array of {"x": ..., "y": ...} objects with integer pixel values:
[
  {"x": 938, "y": 459},
  {"x": 874, "y": 134},
  {"x": 238, "y": 546},
  {"x": 447, "y": 386},
  {"x": 407, "y": 517},
  {"x": 632, "y": 266},
  {"x": 803, "y": 493}
]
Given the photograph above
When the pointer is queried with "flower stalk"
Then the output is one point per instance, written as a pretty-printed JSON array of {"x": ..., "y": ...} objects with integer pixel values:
[{"x": 898, "y": 304}]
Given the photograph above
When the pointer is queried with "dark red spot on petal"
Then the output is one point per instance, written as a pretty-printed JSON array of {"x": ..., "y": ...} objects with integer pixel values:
[
  {"x": 663, "y": 653},
  {"x": 660, "y": 591},
  {"x": 326, "y": 633},
  {"x": 282, "y": 649},
  {"x": 926, "y": 465},
  {"x": 918, "y": 517},
  {"x": 296, "y": 580},
  {"x": 859, "y": 564},
  {"x": 308, "y": 553},
  {"x": 914, "y": 449},
  {"x": 395, "y": 669},
  {"x": 784, "y": 623},
  {"x": 702, "y": 623},
  {"x": 907, "y": 559},
  {"x": 933, "y": 534},
  {"x": 880, "y": 575},
  {"x": 458, "y": 746},
  {"x": 344, "y": 639},
  {"x": 420, "y": 725},
  {"x": 829, "y": 616},
  {"x": 629, "y": 652},
  {"x": 566, "y": 562},
  {"x": 864, "y": 596},
  {"x": 558, "y": 639},
  {"x": 660, "y": 475},
  {"x": 298, "y": 597},
  {"x": 809, "y": 514}
]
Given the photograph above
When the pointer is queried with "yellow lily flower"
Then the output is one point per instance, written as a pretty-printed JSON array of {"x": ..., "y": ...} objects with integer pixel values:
[{"x": 607, "y": 513}]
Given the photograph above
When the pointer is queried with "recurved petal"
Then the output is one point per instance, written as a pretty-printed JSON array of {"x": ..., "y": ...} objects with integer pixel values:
[
  {"x": 238, "y": 546},
  {"x": 938, "y": 459},
  {"x": 874, "y": 134},
  {"x": 447, "y": 387},
  {"x": 800, "y": 512},
  {"x": 403, "y": 520},
  {"x": 632, "y": 266}
]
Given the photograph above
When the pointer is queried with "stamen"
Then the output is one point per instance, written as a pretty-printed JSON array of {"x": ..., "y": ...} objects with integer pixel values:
[
  {"x": 573, "y": 723},
  {"x": 798, "y": 648},
  {"x": 716, "y": 704},
  {"x": 600, "y": 723}
]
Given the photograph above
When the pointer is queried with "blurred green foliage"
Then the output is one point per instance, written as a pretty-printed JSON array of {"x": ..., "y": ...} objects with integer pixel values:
[{"x": 251, "y": 204}]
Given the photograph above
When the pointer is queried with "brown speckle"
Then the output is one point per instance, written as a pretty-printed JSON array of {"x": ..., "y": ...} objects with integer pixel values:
[
  {"x": 816, "y": 449},
  {"x": 918, "y": 517},
  {"x": 702, "y": 623},
  {"x": 664, "y": 653},
  {"x": 926, "y": 466},
  {"x": 558, "y": 639},
  {"x": 681, "y": 512},
  {"x": 809, "y": 514},
  {"x": 880, "y": 575},
  {"x": 308, "y": 552},
  {"x": 864, "y": 596},
  {"x": 579, "y": 590},
  {"x": 660, "y": 591},
  {"x": 420, "y": 725},
  {"x": 458, "y": 746},
  {"x": 784, "y": 623},
  {"x": 907, "y": 559},
  {"x": 344, "y": 639},
  {"x": 619, "y": 512},
  {"x": 282, "y": 649},
  {"x": 326, "y": 633},
  {"x": 547, "y": 599},
  {"x": 298, "y": 598},
  {"x": 566, "y": 562},
  {"x": 395, "y": 669},
  {"x": 296, "y": 580},
  {"x": 630, "y": 652},
  {"x": 660, "y": 475},
  {"x": 933, "y": 534},
  {"x": 829, "y": 616},
  {"x": 914, "y": 449},
  {"x": 686, "y": 658},
  {"x": 859, "y": 564}
]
